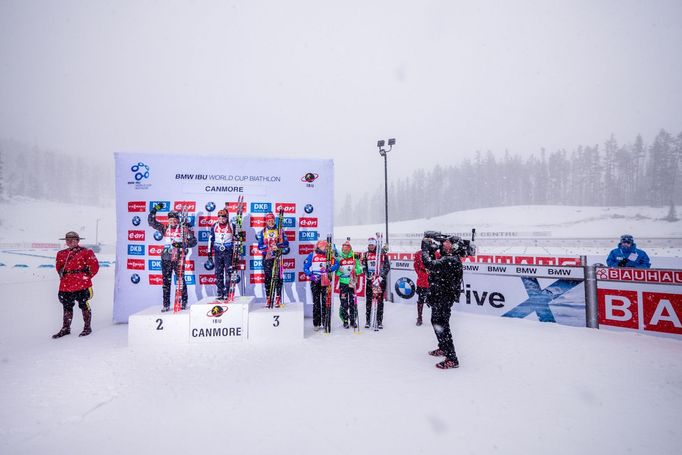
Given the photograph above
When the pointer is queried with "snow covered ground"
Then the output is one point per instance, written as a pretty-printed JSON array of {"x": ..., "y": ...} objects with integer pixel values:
[{"x": 523, "y": 387}]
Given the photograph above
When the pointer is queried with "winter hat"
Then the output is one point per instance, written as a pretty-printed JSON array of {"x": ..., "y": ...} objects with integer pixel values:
[
  {"x": 627, "y": 238},
  {"x": 71, "y": 235},
  {"x": 347, "y": 243},
  {"x": 269, "y": 217},
  {"x": 321, "y": 245},
  {"x": 222, "y": 212},
  {"x": 372, "y": 241},
  {"x": 173, "y": 214}
]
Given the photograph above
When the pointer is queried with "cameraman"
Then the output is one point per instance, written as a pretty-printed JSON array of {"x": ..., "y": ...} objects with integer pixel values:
[{"x": 445, "y": 280}]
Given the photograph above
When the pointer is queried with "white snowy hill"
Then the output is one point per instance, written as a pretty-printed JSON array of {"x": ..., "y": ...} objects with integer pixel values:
[{"x": 523, "y": 388}]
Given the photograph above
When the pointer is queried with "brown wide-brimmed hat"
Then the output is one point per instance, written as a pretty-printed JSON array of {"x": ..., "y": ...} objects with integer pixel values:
[{"x": 71, "y": 235}]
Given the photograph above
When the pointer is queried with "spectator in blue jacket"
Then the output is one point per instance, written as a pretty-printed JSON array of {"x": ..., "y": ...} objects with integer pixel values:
[{"x": 628, "y": 255}]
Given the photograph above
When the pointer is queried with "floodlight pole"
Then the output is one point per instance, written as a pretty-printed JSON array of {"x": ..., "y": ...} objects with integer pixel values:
[{"x": 383, "y": 152}]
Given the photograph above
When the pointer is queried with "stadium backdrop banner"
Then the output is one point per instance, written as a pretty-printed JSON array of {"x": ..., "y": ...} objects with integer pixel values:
[{"x": 304, "y": 188}]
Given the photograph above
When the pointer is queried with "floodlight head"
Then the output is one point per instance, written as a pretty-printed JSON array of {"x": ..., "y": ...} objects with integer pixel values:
[
  {"x": 381, "y": 143},
  {"x": 391, "y": 141}
]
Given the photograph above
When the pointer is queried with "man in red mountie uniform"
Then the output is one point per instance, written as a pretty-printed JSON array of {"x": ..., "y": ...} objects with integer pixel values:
[{"x": 76, "y": 266}]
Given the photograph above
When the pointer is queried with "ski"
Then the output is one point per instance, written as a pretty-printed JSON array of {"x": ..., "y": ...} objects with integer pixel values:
[
  {"x": 236, "y": 249},
  {"x": 180, "y": 268},
  {"x": 328, "y": 307},
  {"x": 376, "y": 285},
  {"x": 353, "y": 284},
  {"x": 277, "y": 266}
]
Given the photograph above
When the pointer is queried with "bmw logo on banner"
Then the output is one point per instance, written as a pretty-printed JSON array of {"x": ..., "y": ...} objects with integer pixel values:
[
  {"x": 136, "y": 220},
  {"x": 308, "y": 208},
  {"x": 158, "y": 236},
  {"x": 210, "y": 206},
  {"x": 405, "y": 287},
  {"x": 135, "y": 278}
]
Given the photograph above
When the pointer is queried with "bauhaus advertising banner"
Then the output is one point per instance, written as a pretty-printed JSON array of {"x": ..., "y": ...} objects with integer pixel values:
[{"x": 204, "y": 185}]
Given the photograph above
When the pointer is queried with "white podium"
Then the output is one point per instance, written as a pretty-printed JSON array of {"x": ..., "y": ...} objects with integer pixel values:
[
  {"x": 276, "y": 324},
  {"x": 215, "y": 321},
  {"x": 151, "y": 326}
]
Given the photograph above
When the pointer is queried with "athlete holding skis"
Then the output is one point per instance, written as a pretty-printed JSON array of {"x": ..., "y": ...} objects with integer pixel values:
[
  {"x": 272, "y": 245},
  {"x": 349, "y": 270},
  {"x": 369, "y": 261},
  {"x": 314, "y": 266},
  {"x": 220, "y": 246},
  {"x": 174, "y": 233}
]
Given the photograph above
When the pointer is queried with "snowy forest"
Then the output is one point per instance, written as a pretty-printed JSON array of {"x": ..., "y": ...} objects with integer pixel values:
[
  {"x": 48, "y": 175},
  {"x": 611, "y": 174},
  {"x": 601, "y": 175}
]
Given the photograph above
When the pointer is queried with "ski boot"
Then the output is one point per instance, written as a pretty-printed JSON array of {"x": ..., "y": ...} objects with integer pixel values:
[
  {"x": 278, "y": 302},
  {"x": 86, "y": 331},
  {"x": 367, "y": 325},
  {"x": 437, "y": 353},
  {"x": 61, "y": 333},
  {"x": 448, "y": 363},
  {"x": 165, "y": 309},
  {"x": 346, "y": 324},
  {"x": 419, "y": 322}
]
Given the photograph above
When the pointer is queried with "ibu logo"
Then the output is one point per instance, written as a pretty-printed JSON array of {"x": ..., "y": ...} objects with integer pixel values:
[
  {"x": 261, "y": 207},
  {"x": 289, "y": 277},
  {"x": 304, "y": 236},
  {"x": 203, "y": 236},
  {"x": 154, "y": 264},
  {"x": 136, "y": 250},
  {"x": 256, "y": 264},
  {"x": 140, "y": 171}
]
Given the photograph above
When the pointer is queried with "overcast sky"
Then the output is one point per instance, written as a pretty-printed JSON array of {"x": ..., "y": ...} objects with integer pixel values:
[{"x": 327, "y": 79}]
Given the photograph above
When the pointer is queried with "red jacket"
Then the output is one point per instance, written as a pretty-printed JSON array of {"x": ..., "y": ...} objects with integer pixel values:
[
  {"x": 76, "y": 267},
  {"x": 422, "y": 274}
]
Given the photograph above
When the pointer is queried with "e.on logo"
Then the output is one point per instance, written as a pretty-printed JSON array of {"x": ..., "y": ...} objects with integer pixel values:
[
  {"x": 287, "y": 206},
  {"x": 257, "y": 279},
  {"x": 207, "y": 279},
  {"x": 288, "y": 263},
  {"x": 207, "y": 221},
  {"x": 191, "y": 206},
  {"x": 661, "y": 312},
  {"x": 154, "y": 250},
  {"x": 307, "y": 222},
  {"x": 254, "y": 251},
  {"x": 155, "y": 280},
  {"x": 136, "y": 236}
]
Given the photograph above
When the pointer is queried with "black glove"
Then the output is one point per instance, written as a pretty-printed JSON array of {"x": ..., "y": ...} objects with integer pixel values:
[
  {"x": 623, "y": 262},
  {"x": 157, "y": 207},
  {"x": 425, "y": 245},
  {"x": 241, "y": 235}
]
